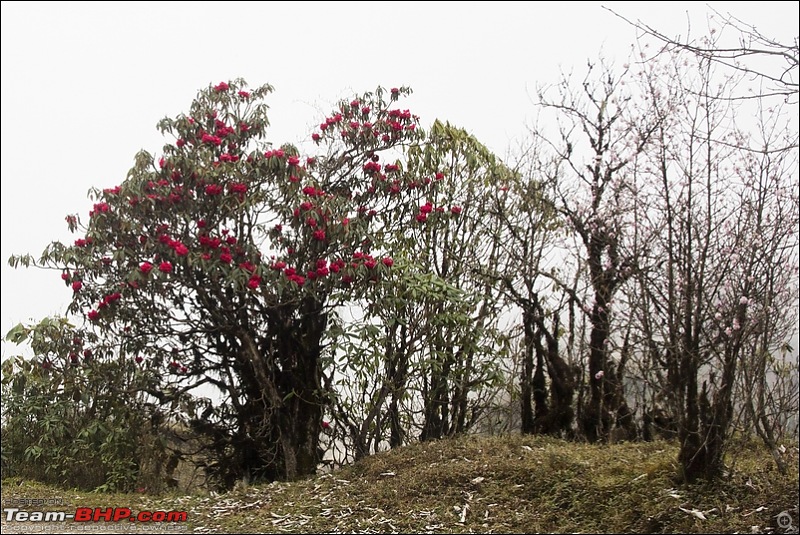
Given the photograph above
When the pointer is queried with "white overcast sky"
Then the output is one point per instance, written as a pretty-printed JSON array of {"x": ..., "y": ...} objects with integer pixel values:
[{"x": 84, "y": 83}]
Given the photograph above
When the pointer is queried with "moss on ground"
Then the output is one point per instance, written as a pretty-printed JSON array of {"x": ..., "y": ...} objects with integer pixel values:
[{"x": 509, "y": 484}]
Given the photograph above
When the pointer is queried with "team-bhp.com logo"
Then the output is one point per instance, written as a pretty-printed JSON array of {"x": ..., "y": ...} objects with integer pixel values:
[{"x": 94, "y": 514}]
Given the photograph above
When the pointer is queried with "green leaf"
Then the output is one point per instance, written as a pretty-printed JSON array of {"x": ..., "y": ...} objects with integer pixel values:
[{"x": 17, "y": 334}]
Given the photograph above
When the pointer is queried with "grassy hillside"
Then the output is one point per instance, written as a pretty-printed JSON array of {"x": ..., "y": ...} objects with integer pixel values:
[{"x": 487, "y": 485}]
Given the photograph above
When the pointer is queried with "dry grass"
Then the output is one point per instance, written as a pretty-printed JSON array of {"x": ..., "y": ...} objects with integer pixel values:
[{"x": 510, "y": 484}]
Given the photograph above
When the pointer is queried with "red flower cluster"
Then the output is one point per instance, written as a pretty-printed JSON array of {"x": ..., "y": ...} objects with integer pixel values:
[
  {"x": 239, "y": 188},
  {"x": 277, "y": 153},
  {"x": 222, "y": 86},
  {"x": 165, "y": 267},
  {"x": 213, "y": 189},
  {"x": 213, "y": 140},
  {"x": 372, "y": 167}
]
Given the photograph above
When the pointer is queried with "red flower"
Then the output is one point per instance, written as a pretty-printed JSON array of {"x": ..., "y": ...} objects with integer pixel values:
[
  {"x": 226, "y": 257},
  {"x": 180, "y": 143},
  {"x": 315, "y": 136},
  {"x": 76, "y": 286},
  {"x": 165, "y": 267},
  {"x": 426, "y": 208},
  {"x": 421, "y": 218},
  {"x": 93, "y": 315},
  {"x": 238, "y": 188},
  {"x": 388, "y": 262},
  {"x": 207, "y": 138},
  {"x": 254, "y": 282},
  {"x": 222, "y": 86},
  {"x": 244, "y": 94},
  {"x": 181, "y": 250},
  {"x": 294, "y": 160},
  {"x": 64, "y": 276},
  {"x": 370, "y": 263},
  {"x": 201, "y": 223},
  {"x": 455, "y": 210},
  {"x": 138, "y": 360},
  {"x": 319, "y": 235},
  {"x": 213, "y": 189}
]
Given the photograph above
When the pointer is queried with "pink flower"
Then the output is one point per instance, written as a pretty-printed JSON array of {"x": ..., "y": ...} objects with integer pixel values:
[
  {"x": 744, "y": 300},
  {"x": 244, "y": 94},
  {"x": 222, "y": 86},
  {"x": 315, "y": 136},
  {"x": 165, "y": 267},
  {"x": 599, "y": 375},
  {"x": 294, "y": 160}
]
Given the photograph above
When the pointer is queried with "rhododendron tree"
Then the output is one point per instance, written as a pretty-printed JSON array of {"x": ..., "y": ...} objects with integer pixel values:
[
  {"x": 427, "y": 351},
  {"x": 601, "y": 132},
  {"x": 220, "y": 258},
  {"x": 720, "y": 279}
]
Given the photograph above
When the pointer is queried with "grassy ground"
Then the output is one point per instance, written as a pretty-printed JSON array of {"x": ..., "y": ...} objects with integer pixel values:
[{"x": 509, "y": 484}]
